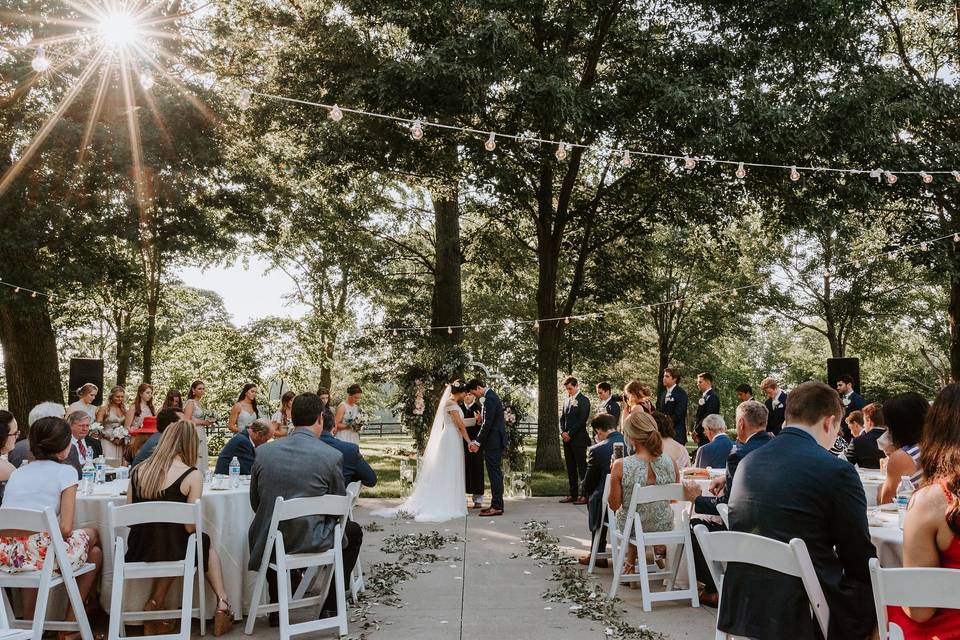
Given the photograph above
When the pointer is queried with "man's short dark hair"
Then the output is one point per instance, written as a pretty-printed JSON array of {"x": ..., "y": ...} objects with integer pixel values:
[
  {"x": 706, "y": 375},
  {"x": 473, "y": 384},
  {"x": 328, "y": 418},
  {"x": 306, "y": 409},
  {"x": 48, "y": 437},
  {"x": 744, "y": 388},
  {"x": 603, "y": 422},
  {"x": 811, "y": 402},
  {"x": 604, "y": 386},
  {"x": 674, "y": 373},
  {"x": 845, "y": 378},
  {"x": 167, "y": 417},
  {"x": 570, "y": 380}
]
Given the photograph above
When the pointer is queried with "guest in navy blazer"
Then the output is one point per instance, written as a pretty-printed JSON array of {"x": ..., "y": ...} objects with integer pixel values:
[
  {"x": 673, "y": 402},
  {"x": 776, "y": 404},
  {"x": 794, "y": 487},
  {"x": 714, "y": 454},
  {"x": 244, "y": 445},
  {"x": 707, "y": 405},
  {"x": 852, "y": 401},
  {"x": 354, "y": 466},
  {"x": 608, "y": 403},
  {"x": 751, "y": 435},
  {"x": 598, "y": 468}
]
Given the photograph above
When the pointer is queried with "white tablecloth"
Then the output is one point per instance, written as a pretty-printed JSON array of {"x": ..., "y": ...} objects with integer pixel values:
[
  {"x": 226, "y": 519},
  {"x": 872, "y": 481},
  {"x": 887, "y": 537}
]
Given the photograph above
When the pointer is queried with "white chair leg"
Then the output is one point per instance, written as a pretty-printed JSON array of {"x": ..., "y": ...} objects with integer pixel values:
[
  {"x": 691, "y": 570},
  {"x": 340, "y": 578},
  {"x": 186, "y": 601},
  {"x": 283, "y": 590},
  {"x": 43, "y": 594},
  {"x": 116, "y": 592},
  {"x": 76, "y": 602},
  {"x": 644, "y": 578},
  {"x": 255, "y": 600},
  {"x": 618, "y": 567},
  {"x": 594, "y": 549}
]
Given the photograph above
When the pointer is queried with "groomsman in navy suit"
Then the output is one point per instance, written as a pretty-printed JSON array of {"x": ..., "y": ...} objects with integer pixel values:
[
  {"x": 673, "y": 402},
  {"x": 708, "y": 404},
  {"x": 576, "y": 439},
  {"x": 852, "y": 401},
  {"x": 598, "y": 468},
  {"x": 776, "y": 404},
  {"x": 608, "y": 404}
]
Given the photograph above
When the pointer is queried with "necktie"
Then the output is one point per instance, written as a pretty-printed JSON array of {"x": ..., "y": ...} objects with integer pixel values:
[{"x": 82, "y": 449}]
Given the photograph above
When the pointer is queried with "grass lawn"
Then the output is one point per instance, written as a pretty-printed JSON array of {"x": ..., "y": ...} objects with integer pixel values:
[{"x": 384, "y": 454}]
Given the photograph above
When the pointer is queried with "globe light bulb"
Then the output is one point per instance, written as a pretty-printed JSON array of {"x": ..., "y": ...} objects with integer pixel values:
[
  {"x": 924, "y": 246},
  {"x": 16, "y": 290},
  {"x": 491, "y": 142},
  {"x": 244, "y": 100},
  {"x": 741, "y": 171},
  {"x": 956, "y": 175},
  {"x": 926, "y": 177},
  {"x": 536, "y": 325},
  {"x": 40, "y": 62},
  {"x": 794, "y": 174},
  {"x": 689, "y": 163},
  {"x": 146, "y": 80},
  {"x": 416, "y": 130},
  {"x": 335, "y": 114},
  {"x": 566, "y": 321},
  {"x": 626, "y": 160},
  {"x": 956, "y": 237},
  {"x": 450, "y": 331},
  {"x": 33, "y": 295},
  {"x": 561, "y": 151},
  {"x": 891, "y": 178}
]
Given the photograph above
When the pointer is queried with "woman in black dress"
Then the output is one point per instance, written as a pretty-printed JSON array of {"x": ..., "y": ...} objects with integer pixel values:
[
  {"x": 170, "y": 474},
  {"x": 473, "y": 462}
]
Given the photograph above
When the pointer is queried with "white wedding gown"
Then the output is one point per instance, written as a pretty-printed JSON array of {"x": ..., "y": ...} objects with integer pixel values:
[{"x": 439, "y": 491}]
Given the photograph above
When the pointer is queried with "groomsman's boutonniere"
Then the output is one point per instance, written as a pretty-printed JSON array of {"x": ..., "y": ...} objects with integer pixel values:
[
  {"x": 668, "y": 399},
  {"x": 482, "y": 399},
  {"x": 701, "y": 402},
  {"x": 574, "y": 403},
  {"x": 776, "y": 405},
  {"x": 846, "y": 401}
]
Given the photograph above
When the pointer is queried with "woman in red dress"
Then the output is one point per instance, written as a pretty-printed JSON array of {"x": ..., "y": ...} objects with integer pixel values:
[{"x": 931, "y": 532}]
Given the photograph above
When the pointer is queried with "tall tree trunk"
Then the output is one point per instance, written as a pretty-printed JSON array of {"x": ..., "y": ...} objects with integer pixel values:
[
  {"x": 954, "y": 313},
  {"x": 663, "y": 361},
  {"x": 548, "y": 363},
  {"x": 326, "y": 378},
  {"x": 153, "y": 303},
  {"x": 29, "y": 356},
  {"x": 447, "y": 303}
]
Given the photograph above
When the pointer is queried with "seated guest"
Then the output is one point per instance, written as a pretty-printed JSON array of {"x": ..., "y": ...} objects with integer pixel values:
[
  {"x": 751, "y": 435},
  {"x": 164, "y": 419},
  {"x": 855, "y": 423},
  {"x": 299, "y": 466},
  {"x": 904, "y": 415},
  {"x": 21, "y": 450},
  {"x": 47, "y": 482},
  {"x": 598, "y": 468},
  {"x": 354, "y": 466},
  {"x": 8, "y": 436},
  {"x": 931, "y": 531},
  {"x": 714, "y": 454},
  {"x": 649, "y": 465},
  {"x": 864, "y": 450},
  {"x": 244, "y": 445},
  {"x": 677, "y": 452},
  {"x": 80, "y": 442},
  {"x": 170, "y": 475},
  {"x": 793, "y": 488}
]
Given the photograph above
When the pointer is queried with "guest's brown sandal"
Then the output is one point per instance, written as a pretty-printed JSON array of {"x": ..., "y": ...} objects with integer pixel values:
[
  {"x": 156, "y": 627},
  {"x": 222, "y": 619}
]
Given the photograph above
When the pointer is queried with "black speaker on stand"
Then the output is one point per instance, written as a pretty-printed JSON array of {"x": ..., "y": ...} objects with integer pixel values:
[
  {"x": 82, "y": 371},
  {"x": 837, "y": 367}
]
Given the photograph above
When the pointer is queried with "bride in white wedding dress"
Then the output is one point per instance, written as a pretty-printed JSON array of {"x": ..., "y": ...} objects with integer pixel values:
[{"x": 439, "y": 490}]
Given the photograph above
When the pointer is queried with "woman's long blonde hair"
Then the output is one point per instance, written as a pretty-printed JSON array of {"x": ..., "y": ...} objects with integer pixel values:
[{"x": 179, "y": 439}]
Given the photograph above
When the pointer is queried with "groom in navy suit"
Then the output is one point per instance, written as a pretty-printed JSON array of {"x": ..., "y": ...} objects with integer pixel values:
[{"x": 492, "y": 438}]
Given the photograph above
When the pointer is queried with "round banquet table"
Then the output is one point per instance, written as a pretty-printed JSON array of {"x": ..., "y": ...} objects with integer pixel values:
[
  {"x": 226, "y": 518},
  {"x": 887, "y": 537}
]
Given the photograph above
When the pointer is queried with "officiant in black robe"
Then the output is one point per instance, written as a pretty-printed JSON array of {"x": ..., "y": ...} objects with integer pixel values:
[{"x": 473, "y": 462}]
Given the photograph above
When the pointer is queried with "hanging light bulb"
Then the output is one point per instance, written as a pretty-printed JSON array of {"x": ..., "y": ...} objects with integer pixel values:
[
  {"x": 146, "y": 80},
  {"x": 741, "y": 172},
  {"x": 335, "y": 114},
  {"x": 561, "y": 151},
  {"x": 794, "y": 174},
  {"x": 689, "y": 163},
  {"x": 566, "y": 321},
  {"x": 16, "y": 290},
  {"x": 826, "y": 274},
  {"x": 244, "y": 100},
  {"x": 416, "y": 130},
  {"x": 450, "y": 331},
  {"x": 876, "y": 173},
  {"x": 956, "y": 175},
  {"x": 33, "y": 295},
  {"x": 40, "y": 62},
  {"x": 491, "y": 142},
  {"x": 924, "y": 246},
  {"x": 926, "y": 177},
  {"x": 956, "y": 237},
  {"x": 626, "y": 160},
  {"x": 891, "y": 177}
]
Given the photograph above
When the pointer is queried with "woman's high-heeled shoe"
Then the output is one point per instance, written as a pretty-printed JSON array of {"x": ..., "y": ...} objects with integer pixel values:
[
  {"x": 222, "y": 619},
  {"x": 156, "y": 627}
]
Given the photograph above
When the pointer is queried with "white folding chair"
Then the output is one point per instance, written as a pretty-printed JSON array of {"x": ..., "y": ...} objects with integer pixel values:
[
  {"x": 6, "y": 633},
  {"x": 911, "y": 587},
  {"x": 337, "y": 506},
  {"x": 604, "y": 522},
  {"x": 44, "y": 580},
  {"x": 357, "y": 584},
  {"x": 721, "y": 547},
  {"x": 678, "y": 538},
  {"x": 154, "y": 512},
  {"x": 724, "y": 510}
]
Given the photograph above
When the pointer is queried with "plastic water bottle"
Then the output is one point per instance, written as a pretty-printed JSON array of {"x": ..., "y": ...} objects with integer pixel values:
[
  {"x": 904, "y": 493},
  {"x": 88, "y": 475},
  {"x": 100, "y": 469},
  {"x": 234, "y": 473}
]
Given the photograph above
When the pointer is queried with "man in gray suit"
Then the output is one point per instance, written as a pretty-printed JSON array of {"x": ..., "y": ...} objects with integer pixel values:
[{"x": 300, "y": 466}]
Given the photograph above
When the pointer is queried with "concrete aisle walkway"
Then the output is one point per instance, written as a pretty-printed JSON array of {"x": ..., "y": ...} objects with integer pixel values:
[{"x": 482, "y": 593}]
